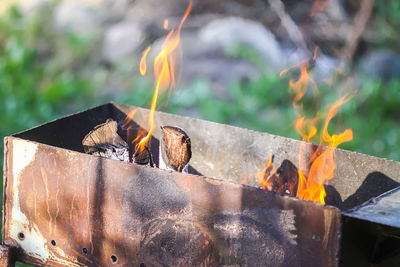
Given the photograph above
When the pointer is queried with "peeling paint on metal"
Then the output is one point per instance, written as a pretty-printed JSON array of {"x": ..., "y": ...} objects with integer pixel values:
[{"x": 33, "y": 243}]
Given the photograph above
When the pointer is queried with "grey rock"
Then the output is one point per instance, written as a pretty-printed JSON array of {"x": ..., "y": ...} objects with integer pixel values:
[
  {"x": 325, "y": 67},
  {"x": 292, "y": 56},
  {"x": 201, "y": 60},
  {"x": 119, "y": 7},
  {"x": 121, "y": 40},
  {"x": 225, "y": 32},
  {"x": 383, "y": 64},
  {"x": 76, "y": 17},
  {"x": 219, "y": 70},
  {"x": 207, "y": 63}
]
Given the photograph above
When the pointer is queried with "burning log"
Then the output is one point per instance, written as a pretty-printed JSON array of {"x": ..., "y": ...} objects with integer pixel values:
[
  {"x": 175, "y": 149},
  {"x": 285, "y": 179},
  {"x": 142, "y": 156},
  {"x": 104, "y": 141}
]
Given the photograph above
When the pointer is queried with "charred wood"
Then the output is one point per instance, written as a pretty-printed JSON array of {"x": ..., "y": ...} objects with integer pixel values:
[
  {"x": 142, "y": 156},
  {"x": 104, "y": 141},
  {"x": 285, "y": 179}
]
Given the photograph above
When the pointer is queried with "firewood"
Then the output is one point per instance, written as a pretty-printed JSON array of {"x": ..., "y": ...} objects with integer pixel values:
[
  {"x": 104, "y": 141},
  {"x": 285, "y": 179},
  {"x": 143, "y": 156},
  {"x": 175, "y": 149}
]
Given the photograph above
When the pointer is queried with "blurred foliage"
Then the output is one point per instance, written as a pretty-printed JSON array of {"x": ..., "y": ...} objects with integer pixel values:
[
  {"x": 264, "y": 104},
  {"x": 40, "y": 77},
  {"x": 39, "y": 74},
  {"x": 387, "y": 20}
]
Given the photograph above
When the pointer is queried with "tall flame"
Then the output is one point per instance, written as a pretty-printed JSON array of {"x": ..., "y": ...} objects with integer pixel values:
[
  {"x": 323, "y": 166},
  {"x": 311, "y": 180},
  {"x": 164, "y": 70},
  {"x": 312, "y": 172}
]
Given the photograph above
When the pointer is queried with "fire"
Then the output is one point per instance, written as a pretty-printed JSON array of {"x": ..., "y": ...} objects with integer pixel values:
[
  {"x": 320, "y": 167},
  {"x": 323, "y": 166},
  {"x": 262, "y": 176},
  {"x": 143, "y": 65},
  {"x": 311, "y": 184},
  {"x": 164, "y": 71},
  {"x": 129, "y": 117}
]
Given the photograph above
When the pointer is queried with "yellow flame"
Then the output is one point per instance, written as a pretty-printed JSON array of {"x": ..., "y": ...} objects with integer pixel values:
[
  {"x": 143, "y": 66},
  {"x": 306, "y": 127},
  {"x": 164, "y": 70}
]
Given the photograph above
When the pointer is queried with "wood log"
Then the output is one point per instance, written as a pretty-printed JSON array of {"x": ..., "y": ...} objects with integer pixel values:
[
  {"x": 175, "y": 149},
  {"x": 143, "y": 157},
  {"x": 285, "y": 179},
  {"x": 104, "y": 141}
]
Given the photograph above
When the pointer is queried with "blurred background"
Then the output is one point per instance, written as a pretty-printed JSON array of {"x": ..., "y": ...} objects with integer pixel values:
[{"x": 61, "y": 57}]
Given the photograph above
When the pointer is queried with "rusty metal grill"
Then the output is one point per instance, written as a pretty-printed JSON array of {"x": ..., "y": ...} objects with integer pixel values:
[{"x": 66, "y": 208}]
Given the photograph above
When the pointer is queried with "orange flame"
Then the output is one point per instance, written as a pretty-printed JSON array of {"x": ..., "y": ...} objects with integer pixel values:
[
  {"x": 301, "y": 85},
  {"x": 143, "y": 66},
  {"x": 129, "y": 117},
  {"x": 312, "y": 178},
  {"x": 324, "y": 165},
  {"x": 306, "y": 127},
  {"x": 164, "y": 70},
  {"x": 262, "y": 176},
  {"x": 311, "y": 186},
  {"x": 165, "y": 25}
]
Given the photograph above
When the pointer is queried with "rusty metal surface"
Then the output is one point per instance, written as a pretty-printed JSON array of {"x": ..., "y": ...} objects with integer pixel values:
[
  {"x": 7, "y": 256},
  {"x": 233, "y": 153},
  {"x": 74, "y": 209},
  {"x": 94, "y": 208},
  {"x": 384, "y": 209}
]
